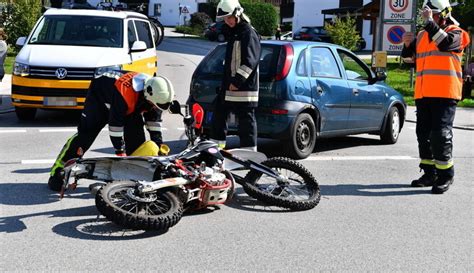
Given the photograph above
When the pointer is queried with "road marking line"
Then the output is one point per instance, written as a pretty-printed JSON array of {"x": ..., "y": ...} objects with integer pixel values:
[
  {"x": 362, "y": 158},
  {"x": 12, "y": 131},
  {"x": 38, "y": 161},
  {"x": 57, "y": 130},
  {"x": 311, "y": 158}
]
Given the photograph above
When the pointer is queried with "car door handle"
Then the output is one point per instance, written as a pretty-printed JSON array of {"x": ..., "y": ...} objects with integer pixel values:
[{"x": 355, "y": 92}]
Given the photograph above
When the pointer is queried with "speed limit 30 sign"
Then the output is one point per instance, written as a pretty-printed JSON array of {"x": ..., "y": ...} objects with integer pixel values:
[{"x": 398, "y": 9}]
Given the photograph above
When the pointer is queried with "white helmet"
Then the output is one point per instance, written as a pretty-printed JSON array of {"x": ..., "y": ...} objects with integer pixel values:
[
  {"x": 229, "y": 7},
  {"x": 441, "y": 6},
  {"x": 159, "y": 91}
]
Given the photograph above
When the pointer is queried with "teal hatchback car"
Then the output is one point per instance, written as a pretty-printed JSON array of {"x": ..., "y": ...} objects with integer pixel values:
[{"x": 309, "y": 90}]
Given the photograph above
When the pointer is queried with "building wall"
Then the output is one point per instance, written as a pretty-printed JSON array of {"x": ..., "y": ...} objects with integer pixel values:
[
  {"x": 308, "y": 13},
  {"x": 170, "y": 10}
]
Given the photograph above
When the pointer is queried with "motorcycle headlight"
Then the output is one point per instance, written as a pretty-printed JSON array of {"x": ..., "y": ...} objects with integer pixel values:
[
  {"x": 20, "y": 69},
  {"x": 105, "y": 69}
]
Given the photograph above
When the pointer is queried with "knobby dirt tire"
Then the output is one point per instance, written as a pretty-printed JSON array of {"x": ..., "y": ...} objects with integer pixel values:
[
  {"x": 133, "y": 220},
  {"x": 251, "y": 187}
]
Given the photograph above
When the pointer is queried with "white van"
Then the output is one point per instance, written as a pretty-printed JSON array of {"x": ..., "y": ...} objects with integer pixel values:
[{"x": 68, "y": 48}]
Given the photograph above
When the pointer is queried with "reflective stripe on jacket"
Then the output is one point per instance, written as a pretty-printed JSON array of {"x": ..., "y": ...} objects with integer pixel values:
[
  {"x": 438, "y": 73},
  {"x": 241, "y": 66}
]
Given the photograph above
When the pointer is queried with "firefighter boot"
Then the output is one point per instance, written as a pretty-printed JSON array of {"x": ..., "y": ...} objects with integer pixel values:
[
  {"x": 442, "y": 184},
  {"x": 427, "y": 179},
  {"x": 56, "y": 181}
]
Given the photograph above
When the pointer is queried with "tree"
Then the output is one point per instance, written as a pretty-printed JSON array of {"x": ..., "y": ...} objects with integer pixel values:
[
  {"x": 343, "y": 32},
  {"x": 263, "y": 16},
  {"x": 19, "y": 18}
]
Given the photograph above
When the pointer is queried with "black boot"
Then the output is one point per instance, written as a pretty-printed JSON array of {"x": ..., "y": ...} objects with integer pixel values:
[
  {"x": 427, "y": 179},
  {"x": 442, "y": 184},
  {"x": 56, "y": 181}
]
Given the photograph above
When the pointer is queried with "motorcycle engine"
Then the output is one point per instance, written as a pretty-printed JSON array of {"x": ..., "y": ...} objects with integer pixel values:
[{"x": 215, "y": 186}]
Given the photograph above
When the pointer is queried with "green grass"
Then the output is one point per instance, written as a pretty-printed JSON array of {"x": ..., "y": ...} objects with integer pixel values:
[{"x": 398, "y": 77}]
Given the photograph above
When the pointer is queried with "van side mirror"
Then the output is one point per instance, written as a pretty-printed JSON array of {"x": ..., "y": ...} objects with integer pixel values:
[
  {"x": 138, "y": 46},
  {"x": 20, "y": 42}
]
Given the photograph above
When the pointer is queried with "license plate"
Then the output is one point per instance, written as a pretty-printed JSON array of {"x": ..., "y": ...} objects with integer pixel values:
[{"x": 59, "y": 101}]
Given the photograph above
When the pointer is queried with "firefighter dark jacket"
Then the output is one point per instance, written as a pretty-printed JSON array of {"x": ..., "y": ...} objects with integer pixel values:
[
  {"x": 241, "y": 66},
  {"x": 115, "y": 91}
]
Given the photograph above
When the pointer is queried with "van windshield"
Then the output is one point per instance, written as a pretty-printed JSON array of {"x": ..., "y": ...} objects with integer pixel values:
[{"x": 78, "y": 31}]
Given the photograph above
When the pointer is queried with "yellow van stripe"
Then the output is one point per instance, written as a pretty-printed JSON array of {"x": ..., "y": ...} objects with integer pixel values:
[
  {"x": 147, "y": 66},
  {"x": 46, "y": 107},
  {"x": 38, "y": 98},
  {"x": 31, "y": 82}
]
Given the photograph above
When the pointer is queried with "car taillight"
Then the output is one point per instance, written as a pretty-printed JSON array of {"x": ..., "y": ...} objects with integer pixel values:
[
  {"x": 279, "y": 111},
  {"x": 304, "y": 35},
  {"x": 213, "y": 28},
  {"x": 284, "y": 62}
]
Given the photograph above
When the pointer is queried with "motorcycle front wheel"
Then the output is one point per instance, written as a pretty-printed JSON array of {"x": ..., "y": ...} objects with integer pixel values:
[
  {"x": 119, "y": 202},
  {"x": 294, "y": 189}
]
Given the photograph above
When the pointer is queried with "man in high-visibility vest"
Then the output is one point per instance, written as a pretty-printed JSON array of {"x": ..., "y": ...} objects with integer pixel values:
[{"x": 437, "y": 52}]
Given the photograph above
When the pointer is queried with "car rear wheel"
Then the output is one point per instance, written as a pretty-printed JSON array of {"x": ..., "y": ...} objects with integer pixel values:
[
  {"x": 25, "y": 113},
  {"x": 302, "y": 138},
  {"x": 392, "y": 127},
  {"x": 221, "y": 37}
]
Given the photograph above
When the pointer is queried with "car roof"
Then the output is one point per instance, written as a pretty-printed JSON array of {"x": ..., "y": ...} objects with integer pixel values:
[
  {"x": 98, "y": 13},
  {"x": 298, "y": 44}
]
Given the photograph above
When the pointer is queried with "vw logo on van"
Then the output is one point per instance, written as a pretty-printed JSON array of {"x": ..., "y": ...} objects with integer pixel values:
[{"x": 61, "y": 73}]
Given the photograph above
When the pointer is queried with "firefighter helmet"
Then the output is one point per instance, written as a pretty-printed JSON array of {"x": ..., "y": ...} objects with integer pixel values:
[
  {"x": 159, "y": 91},
  {"x": 229, "y": 7},
  {"x": 441, "y": 6}
]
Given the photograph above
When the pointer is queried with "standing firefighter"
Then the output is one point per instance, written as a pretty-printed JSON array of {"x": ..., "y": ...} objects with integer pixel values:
[
  {"x": 438, "y": 51},
  {"x": 239, "y": 90},
  {"x": 123, "y": 100}
]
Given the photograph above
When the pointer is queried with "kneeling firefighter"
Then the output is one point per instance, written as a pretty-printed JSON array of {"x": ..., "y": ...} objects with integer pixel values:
[{"x": 123, "y": 100}]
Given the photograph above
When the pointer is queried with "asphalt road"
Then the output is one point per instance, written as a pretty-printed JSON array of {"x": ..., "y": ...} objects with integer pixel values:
[{"x": 368, "y": 219}]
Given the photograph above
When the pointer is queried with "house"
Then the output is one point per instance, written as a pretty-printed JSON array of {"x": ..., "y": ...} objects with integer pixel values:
[
  {"x": 306, "y": 13},
  {"x": 167, "y": 11}
]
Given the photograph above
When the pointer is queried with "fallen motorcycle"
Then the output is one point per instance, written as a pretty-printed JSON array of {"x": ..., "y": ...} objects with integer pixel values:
[{"x": 152, "y": 192}]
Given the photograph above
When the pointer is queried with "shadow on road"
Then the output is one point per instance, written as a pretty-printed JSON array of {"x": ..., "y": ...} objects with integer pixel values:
[
  {"x": 375, "y": 190},
  {"x": 28, "y": 194}
]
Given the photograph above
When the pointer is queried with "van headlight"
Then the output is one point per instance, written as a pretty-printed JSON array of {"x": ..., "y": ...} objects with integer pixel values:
[
  {"x": 20, "y": 69},
  {"x": 106, "y": 69}
]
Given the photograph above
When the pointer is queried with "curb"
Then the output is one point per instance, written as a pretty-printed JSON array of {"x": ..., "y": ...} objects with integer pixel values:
[{"x": 454, "y": 126}]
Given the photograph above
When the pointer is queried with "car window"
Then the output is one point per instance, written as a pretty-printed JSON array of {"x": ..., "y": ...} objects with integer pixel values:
[
  {"x": 301, "y": 64},
  {"x": 354, "y": 68},
  {"x": 267, "y": 60},
  {"x": 144, "y": 33},
  {"x": 304, "y": 29},
  {"x": 78, "y": 30},
  {"x": 213, "y": 63},
  {"x": 323, "y": 63},
  {"x": 132, "y": 34}
]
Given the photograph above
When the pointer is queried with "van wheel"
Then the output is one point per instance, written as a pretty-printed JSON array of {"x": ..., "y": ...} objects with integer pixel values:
[
  {"x": 25, "y": 113},
  {"x": 302, "y": 137},
  {"x": 221, "y": 37}
]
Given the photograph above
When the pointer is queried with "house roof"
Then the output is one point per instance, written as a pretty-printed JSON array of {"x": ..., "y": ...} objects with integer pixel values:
[{"x": 342, "y": 10}]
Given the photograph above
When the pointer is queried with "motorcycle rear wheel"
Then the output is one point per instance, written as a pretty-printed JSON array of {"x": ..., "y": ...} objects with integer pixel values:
[
  {"x": 300, "y": 191},
  {"x": 154, "y": 211}
]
